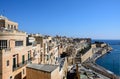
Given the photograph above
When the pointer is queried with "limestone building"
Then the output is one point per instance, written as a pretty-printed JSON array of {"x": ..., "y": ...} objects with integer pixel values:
[{"x": 15, "y": 52}]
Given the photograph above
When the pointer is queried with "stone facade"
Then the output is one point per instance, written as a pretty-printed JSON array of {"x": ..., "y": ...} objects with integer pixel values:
[{"x": 87, "y": 55}]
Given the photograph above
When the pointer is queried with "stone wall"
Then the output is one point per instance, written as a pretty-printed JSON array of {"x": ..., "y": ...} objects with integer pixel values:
[
  {"x": 87, "y": 55},
  {"x": 36, "y": 74}
]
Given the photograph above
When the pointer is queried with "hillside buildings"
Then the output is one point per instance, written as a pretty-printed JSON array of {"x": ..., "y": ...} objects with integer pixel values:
[{"x": 19, "y": 50}]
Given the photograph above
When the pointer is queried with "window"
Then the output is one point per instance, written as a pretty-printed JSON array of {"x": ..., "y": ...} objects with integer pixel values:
[
  {"x": 56, "y": 58},
  {"x": 8, "y": 26},
  {"x": 7, "y": 62},
  {"x": 28, "y": 55},
  {"x": 11, "y": 26},
  {"x": 23, "y": 71},
  {"x": 3, "y": 44},
  {"x": 15, "y": 27},
  {"x": 23, "y": 59},
  {"x": 41, "y": 56},
  {"x": 47, "y": 57},
  {"x": 14, "y": 63},
  {"x": 18, "y": 43},
  {"x": 34, "y": 53}
]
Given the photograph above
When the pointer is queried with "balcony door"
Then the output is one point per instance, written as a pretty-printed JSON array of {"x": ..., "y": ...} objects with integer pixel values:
[
  {"x": 23, "y": 59},
  {"x": 14, "y": 63}
]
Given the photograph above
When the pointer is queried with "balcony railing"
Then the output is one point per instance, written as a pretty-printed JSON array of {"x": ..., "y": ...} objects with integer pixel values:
[
  {"x": 22, "y": 64},
  {"x": 7, "y": 31},
  {"x": 7, "y": 49}
]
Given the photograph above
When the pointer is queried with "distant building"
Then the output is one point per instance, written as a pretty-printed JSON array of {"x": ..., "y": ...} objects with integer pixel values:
[{"x": 40, "y": 71}]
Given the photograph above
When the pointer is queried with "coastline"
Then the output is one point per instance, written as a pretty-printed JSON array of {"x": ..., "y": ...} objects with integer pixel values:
[
  {"x": 99, "y": 56},
  {"x": 102, "y": 54},
  {"x": 99, "y": 69}
]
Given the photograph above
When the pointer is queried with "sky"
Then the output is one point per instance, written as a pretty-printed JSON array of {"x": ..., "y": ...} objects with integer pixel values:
[{"x": 96, "y": 19}]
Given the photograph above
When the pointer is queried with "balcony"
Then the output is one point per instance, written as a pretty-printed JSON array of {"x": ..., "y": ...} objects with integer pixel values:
[
  {"x": 22, "y": 64},
  {"x": 7, "y": 49},
  {"x": 17, "y": 32}
]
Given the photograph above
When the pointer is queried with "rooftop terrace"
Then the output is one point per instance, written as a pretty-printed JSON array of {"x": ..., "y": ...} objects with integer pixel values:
[{"x": 43, "y": 67}]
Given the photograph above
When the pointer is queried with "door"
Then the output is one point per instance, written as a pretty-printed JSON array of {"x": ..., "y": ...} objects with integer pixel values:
[
  {"x": 23, "y": 59},
  {"x": 14, "y": 62}
]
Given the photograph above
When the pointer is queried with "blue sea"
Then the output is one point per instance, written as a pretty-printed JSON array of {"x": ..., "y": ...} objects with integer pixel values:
[{"x": 111, "y": 60}]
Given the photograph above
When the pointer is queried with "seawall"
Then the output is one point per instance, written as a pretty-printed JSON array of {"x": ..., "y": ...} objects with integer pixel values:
[{"x": 90, "y": 63}]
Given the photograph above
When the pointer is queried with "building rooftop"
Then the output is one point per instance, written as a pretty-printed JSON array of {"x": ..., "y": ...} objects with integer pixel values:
[{"x": 43, "y": 67}]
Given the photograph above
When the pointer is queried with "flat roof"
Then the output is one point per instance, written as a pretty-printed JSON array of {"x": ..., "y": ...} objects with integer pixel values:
[{"x": 43, "y": 67}]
